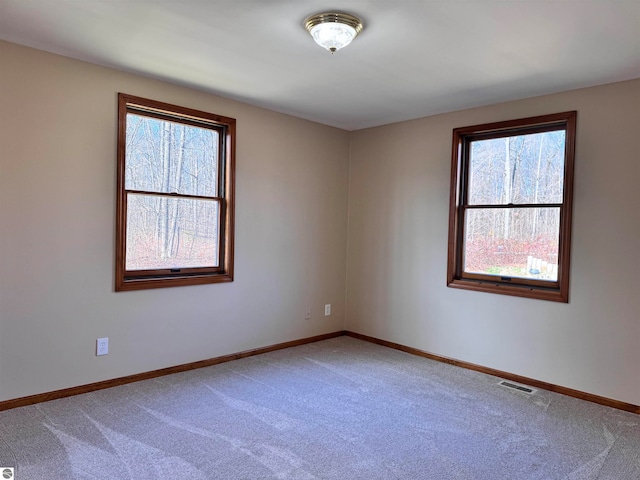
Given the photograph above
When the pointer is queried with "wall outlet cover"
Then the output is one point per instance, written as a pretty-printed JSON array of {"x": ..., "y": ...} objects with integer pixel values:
[{"x": 102, "y": 346}]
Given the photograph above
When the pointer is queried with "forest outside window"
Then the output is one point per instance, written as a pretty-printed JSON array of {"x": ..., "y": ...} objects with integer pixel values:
[
  {"x": 510, "y": 207},
  {"x": 175, "y": 195}
]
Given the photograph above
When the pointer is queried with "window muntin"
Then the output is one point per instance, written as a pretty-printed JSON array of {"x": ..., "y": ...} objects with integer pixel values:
[
  {"x": 175, "y": 196},
  {"x": 510, "y": 217}
]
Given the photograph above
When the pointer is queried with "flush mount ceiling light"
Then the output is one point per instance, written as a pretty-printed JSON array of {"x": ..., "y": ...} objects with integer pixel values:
[{"x": 333, "y": 31}]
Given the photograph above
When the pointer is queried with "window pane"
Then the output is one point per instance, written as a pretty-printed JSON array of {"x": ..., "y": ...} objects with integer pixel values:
[
  {"x": 518, "y": 169},
  {"x": 512, "y": 242},
  {"x": 169, "y": 157},
  {"x": 166, "y": 232}
]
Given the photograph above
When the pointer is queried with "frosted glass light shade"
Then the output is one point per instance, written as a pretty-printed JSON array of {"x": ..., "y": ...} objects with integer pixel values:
[
  {"x": 333, "y": 36},
  {"x": 333, "y": 31}
]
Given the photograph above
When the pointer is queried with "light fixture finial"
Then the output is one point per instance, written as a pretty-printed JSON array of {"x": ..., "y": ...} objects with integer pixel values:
[{"x": 333, "y": 30}]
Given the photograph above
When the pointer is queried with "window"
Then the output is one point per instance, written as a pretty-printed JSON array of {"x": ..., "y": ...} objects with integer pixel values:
[
  {"x": 510, "y": 207},
  {"x": 175, "y": 196}
]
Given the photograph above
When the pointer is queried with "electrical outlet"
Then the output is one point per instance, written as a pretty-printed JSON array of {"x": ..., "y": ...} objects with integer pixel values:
[
  {"x": 327, "y": 310},
  {"x": 307, "y": 313},
  {"x": 102, "y": 346}
]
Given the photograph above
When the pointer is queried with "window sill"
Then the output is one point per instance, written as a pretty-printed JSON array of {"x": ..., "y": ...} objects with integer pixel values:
[
  {"x": 127, "y": 284},
  {"x": 526, "y": 291}
]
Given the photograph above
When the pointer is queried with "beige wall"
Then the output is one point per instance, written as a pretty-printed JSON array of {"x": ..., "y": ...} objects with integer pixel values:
[
  {"x": 398, "y": 214},
  {"x": 294, "y": 185},
  {"x": 57, "y": 197}
]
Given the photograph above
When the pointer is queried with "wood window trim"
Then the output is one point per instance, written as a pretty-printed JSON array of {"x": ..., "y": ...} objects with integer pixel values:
[
  {"x": 125, "y": 280},
  {"x": 553, "y": 291}
]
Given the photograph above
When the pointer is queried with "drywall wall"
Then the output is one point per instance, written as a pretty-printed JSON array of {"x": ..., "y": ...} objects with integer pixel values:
[
  {"x": 397, "y": 254},
  {"x": 57, "y": 207},
  {"x": 57, "y": 219}
]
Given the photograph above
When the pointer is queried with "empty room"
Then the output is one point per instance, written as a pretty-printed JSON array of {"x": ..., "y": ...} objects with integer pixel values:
[{"x": 252, "y": 239}]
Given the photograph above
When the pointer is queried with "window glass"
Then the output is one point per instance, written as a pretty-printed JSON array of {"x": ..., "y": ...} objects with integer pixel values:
[
  {"x": 517, "y": 169},
  {"x": 527, "y": 248},
  {"x": 165, "y": 232},
  {"x": 169, "y": 157}
]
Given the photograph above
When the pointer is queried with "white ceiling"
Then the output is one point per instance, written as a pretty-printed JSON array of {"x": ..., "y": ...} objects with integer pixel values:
[{"x": 414, "y": 57}]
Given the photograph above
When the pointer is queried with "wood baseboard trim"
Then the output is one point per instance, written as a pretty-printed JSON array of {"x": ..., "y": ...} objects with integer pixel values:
[
  {"x": 91, "y": 387},
  {"x": 589, "y": 397}
]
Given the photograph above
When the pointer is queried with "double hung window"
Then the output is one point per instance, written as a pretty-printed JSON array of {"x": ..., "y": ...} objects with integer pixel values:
[
  {"x": 175, "y": 196},
  {"x": 510, "y": 207}
]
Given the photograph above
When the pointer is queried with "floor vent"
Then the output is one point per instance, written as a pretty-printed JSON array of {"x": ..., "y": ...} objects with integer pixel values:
[{"x": 515, "y": 386}]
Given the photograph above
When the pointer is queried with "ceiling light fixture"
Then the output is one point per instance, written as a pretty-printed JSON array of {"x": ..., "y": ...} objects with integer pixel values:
[{"x": 333, "y": 31}]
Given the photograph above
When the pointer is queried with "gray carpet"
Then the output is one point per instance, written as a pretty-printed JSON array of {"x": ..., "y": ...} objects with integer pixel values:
[{"x": 338, "y": 409}]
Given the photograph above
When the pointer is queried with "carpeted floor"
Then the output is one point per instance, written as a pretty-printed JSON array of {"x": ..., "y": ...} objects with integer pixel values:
[{"x": 338, "y": 409}]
